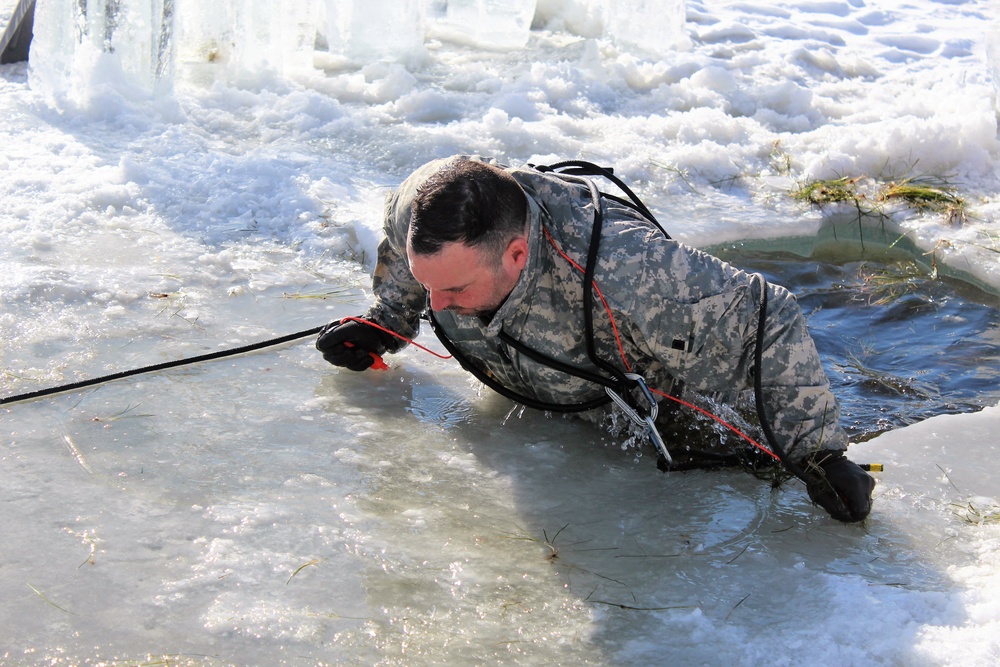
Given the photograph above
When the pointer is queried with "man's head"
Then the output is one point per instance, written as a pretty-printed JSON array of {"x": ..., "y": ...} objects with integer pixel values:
[{"x": 467, "y": 242}]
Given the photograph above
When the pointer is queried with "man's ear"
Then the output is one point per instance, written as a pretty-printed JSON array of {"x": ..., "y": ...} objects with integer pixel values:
[{"x": 517, "y": 253}]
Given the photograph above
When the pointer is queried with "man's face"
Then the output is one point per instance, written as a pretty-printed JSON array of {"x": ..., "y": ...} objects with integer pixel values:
[{"x": 464, "y": 280}]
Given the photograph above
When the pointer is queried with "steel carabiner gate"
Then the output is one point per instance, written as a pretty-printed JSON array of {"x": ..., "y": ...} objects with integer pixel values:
[{"x": 648, "y": 420}]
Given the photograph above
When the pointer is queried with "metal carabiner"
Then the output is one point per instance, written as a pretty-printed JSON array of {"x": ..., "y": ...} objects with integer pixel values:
[{"x": 640, "y": 420}]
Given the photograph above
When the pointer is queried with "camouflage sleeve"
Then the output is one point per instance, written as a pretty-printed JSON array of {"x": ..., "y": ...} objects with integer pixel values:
[
  {"x": 399, "y": 298},
  {"x": 804, "y": 414},
  {"x": 698, "y": 318}
]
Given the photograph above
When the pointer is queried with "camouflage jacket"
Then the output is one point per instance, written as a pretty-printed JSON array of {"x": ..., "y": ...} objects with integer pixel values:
[{"x": 679, "y": 313}]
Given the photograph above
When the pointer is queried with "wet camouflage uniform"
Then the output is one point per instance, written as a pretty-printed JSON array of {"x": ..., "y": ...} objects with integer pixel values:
[{"x": 681, "y": 314}]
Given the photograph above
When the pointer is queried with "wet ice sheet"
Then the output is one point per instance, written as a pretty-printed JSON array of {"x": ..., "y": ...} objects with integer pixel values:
[
  {"x": 263, "y": 509},
  {"x": 248, "y": 516}
]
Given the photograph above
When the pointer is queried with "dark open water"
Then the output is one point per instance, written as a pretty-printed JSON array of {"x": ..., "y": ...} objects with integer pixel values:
[{"x": 899, "y": 344}]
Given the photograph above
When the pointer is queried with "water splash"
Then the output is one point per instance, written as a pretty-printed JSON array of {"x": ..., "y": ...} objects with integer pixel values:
[{"x": 518, "y": 408}]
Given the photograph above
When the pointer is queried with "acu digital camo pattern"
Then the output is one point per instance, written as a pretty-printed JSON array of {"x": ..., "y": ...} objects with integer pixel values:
[{"x": 681, "y": 314}]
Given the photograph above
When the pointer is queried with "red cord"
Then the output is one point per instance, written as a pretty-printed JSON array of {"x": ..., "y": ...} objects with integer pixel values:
[
  {"x": 720, "y": 420},
  {"x": 393, "y": 333},
  {"x": 381, "y": 365},
  {"x": 621, "y": 350},
  {"x": 614, "y": 327}
]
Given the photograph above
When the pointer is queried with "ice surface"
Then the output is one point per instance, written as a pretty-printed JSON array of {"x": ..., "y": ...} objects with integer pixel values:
[
  {"x": 653, "y": 25},
  {"x": 142, "y": 45},
  {"x": 993, "y": 57},
  {"x": 273, "y": 36},
  {"x": 54, "y": 45},
  {"x": 270, "y": 510},
  {"x": 204, "y": 41},
  {"x": 501, "y": 24},
  {"x": 371, "y": 29}
]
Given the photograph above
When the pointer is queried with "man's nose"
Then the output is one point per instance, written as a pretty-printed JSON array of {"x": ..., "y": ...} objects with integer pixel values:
[{"x": 440, "y": 300}]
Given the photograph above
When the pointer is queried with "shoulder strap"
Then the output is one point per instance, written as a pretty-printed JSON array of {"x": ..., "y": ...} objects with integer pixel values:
[
  {"x": 617, "y": 381},
  {"x": 484, "y": 377},
  {"x": 583, "y": 168}
]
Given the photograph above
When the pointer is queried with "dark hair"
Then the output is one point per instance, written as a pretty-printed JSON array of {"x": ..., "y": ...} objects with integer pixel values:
[{"x": 470, "y": 202}]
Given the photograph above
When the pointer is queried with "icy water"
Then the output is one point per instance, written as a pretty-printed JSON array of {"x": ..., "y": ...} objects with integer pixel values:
[
  {"x": 898, "y": 343},
  {"x": 269, "y": 510}
]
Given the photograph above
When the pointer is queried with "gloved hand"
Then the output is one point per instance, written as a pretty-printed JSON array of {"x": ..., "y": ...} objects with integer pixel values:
[
  {"x": 839, "y": 486},
  {"x": 352, "y": 344}
]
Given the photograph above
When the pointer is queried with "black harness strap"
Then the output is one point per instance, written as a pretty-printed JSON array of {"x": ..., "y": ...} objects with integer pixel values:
[
  {"x": 618, "y": 382},
  {"x": 622, "y": 385},
  {"x": 469, "y": 365},
  {"x": 545, "y": 360},
  {"x": 583, "y": 168}
]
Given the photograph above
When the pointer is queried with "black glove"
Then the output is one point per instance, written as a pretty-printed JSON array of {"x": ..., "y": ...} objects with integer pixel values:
[
  {"x": 350, "y": 343},
  {"x": 839, "y": 486}
]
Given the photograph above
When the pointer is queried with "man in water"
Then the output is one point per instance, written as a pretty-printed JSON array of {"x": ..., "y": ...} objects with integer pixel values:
[{"x": 559, "y": 296}]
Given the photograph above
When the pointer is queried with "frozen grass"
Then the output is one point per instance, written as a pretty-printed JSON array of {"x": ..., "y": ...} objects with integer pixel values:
[
  {"x": 870, "y": 196},
  {"x": 824, "y": 192},
  {"x": 928, "y": 195}
]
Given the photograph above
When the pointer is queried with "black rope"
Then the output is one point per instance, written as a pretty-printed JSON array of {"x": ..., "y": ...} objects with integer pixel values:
[
  {"x": 582, "y": 168},
  {"x": 551, "y": 362},
  {"x": 758, "y": 388},
  {"x": 74, "y": 386},
  {"x": 483, "y": 376},
  {"x": 624, "y": 384}
]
